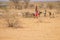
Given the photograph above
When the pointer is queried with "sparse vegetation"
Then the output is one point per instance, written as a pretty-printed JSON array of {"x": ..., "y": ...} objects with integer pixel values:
[
  {"x": 26, "y": 3},
  {"x": 10, "y": 18},
  {"x": 16, "y": 3},
  {"x": 24, "y": 24}
]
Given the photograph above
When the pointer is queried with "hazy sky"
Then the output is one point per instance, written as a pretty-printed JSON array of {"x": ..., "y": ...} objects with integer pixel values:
[
  {"x": 36, "y": 0},
  {"x": 46, "y": 0}
]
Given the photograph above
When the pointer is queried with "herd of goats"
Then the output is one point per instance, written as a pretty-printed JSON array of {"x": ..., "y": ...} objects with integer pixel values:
[
  {"x": 28, "y": 14},
  {"x": 31, "y": 15}
]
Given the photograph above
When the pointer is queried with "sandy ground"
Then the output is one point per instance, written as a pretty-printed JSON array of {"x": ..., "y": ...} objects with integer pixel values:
[{"x": 43, "y": 28}]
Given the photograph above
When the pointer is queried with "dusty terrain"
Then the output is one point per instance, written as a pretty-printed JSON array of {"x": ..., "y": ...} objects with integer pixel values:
[{"x": 43, "y": 28}]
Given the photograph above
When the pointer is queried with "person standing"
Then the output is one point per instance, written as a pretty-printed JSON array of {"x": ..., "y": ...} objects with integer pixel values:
[{"x": 36, "y": 12}]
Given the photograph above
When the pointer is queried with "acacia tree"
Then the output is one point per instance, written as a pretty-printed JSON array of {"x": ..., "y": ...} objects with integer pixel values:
[
  {"x": 16, "y": 3},
  {"x": 26, "y": 3}
]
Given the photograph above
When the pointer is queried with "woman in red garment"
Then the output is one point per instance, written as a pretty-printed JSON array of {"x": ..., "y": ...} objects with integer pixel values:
[{"x": 36, "y": 12}]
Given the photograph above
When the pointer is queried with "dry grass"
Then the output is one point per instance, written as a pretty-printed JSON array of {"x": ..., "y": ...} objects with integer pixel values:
[{"x": 43, "y": 28}]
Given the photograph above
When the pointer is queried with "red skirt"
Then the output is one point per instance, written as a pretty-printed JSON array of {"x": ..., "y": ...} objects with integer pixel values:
[{"x": 36, "y": 14}]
